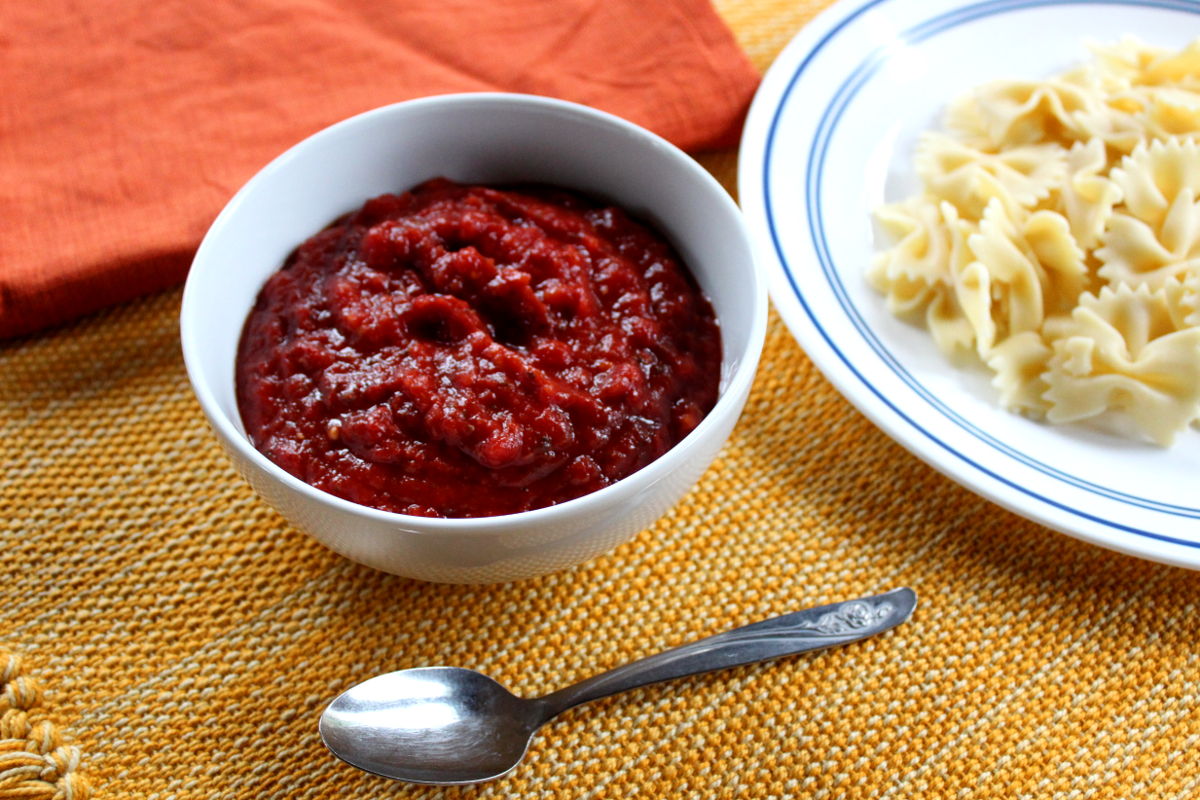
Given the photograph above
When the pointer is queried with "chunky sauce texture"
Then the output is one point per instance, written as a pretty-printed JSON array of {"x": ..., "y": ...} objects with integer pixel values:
[{"x": 465, "y": 351}]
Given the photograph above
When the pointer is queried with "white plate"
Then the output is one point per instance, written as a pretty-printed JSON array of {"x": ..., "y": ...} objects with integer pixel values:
[{"x": 829, "y": 138}]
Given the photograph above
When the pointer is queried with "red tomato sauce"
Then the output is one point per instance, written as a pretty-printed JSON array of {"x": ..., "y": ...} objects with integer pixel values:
[{"x": 465, "y": 351}]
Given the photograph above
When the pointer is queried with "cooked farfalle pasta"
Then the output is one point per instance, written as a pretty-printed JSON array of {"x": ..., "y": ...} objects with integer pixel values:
[
  {"x": 1126, "y": 351},
  {"x": 970, "y": 178},
  {"x": 1086, "y": 198},
  {"x": 1009, "y": 114},
  {"x": 1155, "y": 235},
  {"x": 918, "y": 273},
  {"x": 1057, "y": 238},
  {"x": 1131, "y": 62},
  {"x": 1191, "y": 299}
]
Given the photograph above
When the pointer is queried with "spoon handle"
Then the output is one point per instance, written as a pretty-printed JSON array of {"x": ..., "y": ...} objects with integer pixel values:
[{"x": 798, "y": 632}]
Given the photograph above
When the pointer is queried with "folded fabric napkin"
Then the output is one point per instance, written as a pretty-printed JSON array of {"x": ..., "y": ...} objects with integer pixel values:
[{"x": 125, "y": 126}]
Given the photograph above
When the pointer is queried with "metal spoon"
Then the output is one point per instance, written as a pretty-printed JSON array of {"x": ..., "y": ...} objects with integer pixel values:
[{"x": 448, "y": 725}]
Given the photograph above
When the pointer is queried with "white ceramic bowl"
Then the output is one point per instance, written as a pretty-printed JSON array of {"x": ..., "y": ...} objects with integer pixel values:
[{"x": 476, "y": 138}]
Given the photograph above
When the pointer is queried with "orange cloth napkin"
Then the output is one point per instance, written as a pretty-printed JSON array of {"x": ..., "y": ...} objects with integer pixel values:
[{"x": 126, "y": 125}]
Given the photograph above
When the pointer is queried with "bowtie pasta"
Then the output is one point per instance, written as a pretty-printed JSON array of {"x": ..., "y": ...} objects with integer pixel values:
[{"x": 1057, "y": 240}]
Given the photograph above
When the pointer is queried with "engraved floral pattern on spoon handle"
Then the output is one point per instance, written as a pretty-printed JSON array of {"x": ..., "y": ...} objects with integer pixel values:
[{"x": 849, "y": 617}]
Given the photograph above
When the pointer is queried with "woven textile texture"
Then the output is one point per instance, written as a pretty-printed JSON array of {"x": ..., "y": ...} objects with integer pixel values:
[{"x": 185, "y": 638}]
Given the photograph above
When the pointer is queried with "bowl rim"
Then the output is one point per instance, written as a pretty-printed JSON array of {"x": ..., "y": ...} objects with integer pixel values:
[{"x": 728, "y": 402}]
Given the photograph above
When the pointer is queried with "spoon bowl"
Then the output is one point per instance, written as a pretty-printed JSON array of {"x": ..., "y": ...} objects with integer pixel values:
[
  {"x": 449, "y": 725},
  {"x": 465, "y": 726}
]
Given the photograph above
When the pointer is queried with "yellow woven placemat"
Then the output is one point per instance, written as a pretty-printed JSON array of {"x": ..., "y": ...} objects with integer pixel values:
[{"x": 185, "y": 638}]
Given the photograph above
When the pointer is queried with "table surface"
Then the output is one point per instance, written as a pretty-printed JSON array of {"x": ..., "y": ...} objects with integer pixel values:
[{"x": 164, "y": 634}]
